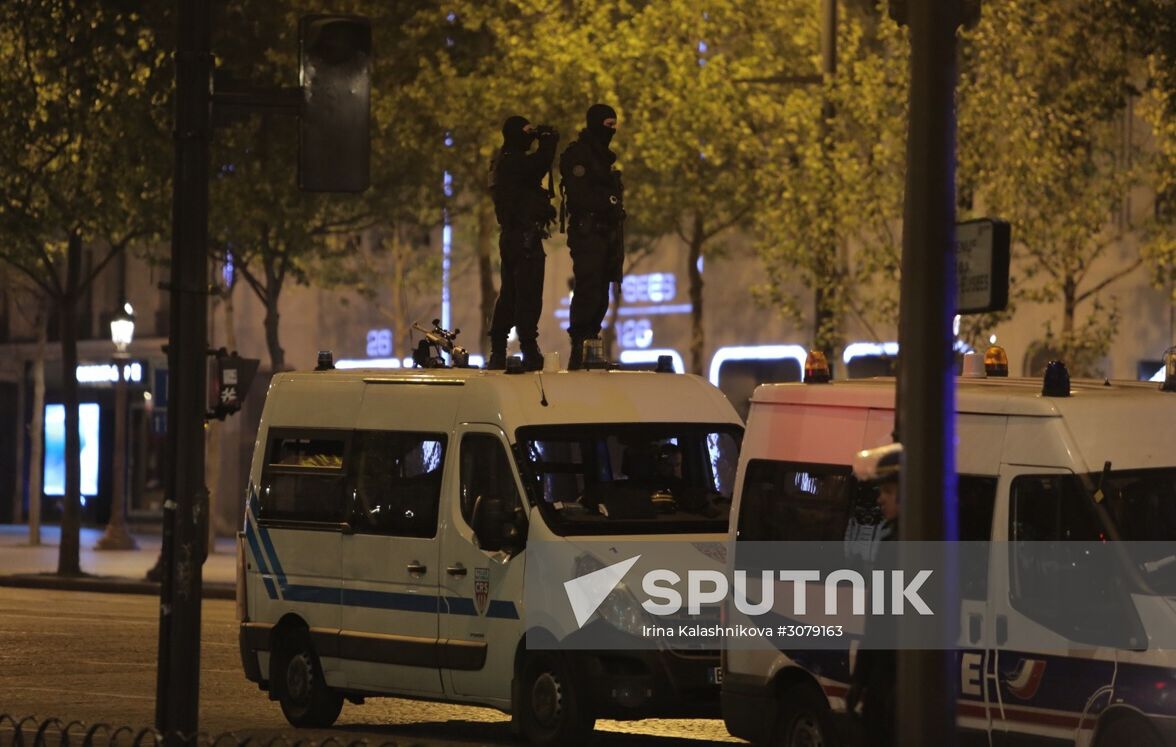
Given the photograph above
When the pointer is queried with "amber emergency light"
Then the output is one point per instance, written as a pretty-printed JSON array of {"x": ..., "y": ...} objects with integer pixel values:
[
  {"x": 816, "y": 368},
  {"x": 996, "y": 361}
]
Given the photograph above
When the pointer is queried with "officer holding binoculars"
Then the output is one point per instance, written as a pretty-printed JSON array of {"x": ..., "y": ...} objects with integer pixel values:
[{"x": 524, "y": 212}]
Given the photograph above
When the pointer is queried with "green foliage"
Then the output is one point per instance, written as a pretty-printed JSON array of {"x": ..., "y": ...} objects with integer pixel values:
[
  {"x": 83, "y": 162},
  {"x": 278, "y": 234},
  {"x": 83, "y": 143},
  {"x": 832, "y": 215},
  {"x": 1042, "y": 99}
]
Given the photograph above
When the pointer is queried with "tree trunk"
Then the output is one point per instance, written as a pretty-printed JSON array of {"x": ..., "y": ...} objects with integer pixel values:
[
  {"x": 486, "y": 224},
  {"x": 274, "y": 276},
  {"x": 397, "y": 306},
  {"x": 68, "y": 559},
  {"x": 826, "y": 301},
  {"x": 697, "y": 331},
  {"x": 37, "y": 432},
  {"x": 272, "y": 343},
  {"x": 1069, "y": 301}
]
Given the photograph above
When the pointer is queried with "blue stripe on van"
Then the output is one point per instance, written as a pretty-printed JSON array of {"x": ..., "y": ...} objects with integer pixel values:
[
  {"x": 312, "y": 594},
  {"x": 390, "y": 600},
  {"x": 502, "y": 609},
  {"x": 384, "y": 600},
  {"x": 458, "y": 606},
  {"x": 273, "y": 556},
  {"x": 258, "y": 556}
]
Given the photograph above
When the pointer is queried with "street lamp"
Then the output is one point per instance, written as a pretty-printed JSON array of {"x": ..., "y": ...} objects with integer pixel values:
[{"x": 116, "y": 536}]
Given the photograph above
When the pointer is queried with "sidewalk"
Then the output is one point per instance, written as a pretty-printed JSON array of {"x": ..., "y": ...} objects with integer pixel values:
[{"x": 115, "y": 571}]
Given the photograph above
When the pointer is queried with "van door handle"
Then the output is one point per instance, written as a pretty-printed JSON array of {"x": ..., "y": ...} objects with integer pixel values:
[
  {"x": 457, "y": 569},
  {"x": 974, "y": 623},
  {"x": 1002, "y": 630},
  {"x": 416, "y": 567}
]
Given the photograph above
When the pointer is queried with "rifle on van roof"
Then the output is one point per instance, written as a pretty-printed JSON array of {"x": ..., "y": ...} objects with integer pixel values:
[{"x": 439, "y": 340}]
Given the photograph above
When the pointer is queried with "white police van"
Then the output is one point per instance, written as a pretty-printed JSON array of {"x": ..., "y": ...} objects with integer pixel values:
[
  {"x": 387, "y": 523},
  {"x": 1026, "y": 463}
]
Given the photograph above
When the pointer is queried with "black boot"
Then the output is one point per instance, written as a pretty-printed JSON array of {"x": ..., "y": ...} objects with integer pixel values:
[
  {"x": 497, "y": 361},
  {"x": 532, "y": 358},
  {"x": 576, "y": 359}
]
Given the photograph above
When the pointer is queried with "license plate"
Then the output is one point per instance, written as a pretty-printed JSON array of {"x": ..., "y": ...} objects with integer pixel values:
[{"x": 714, "y": 675}]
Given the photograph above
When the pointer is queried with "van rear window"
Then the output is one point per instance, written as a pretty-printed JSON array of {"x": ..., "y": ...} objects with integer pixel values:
[{"x": 304, "y": 479}]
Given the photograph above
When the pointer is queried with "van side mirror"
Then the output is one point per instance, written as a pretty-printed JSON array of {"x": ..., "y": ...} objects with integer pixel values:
[{"x": 496, "y": 525}]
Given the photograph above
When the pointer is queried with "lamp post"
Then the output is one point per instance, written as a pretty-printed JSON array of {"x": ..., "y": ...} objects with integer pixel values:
[{"x": 116, "y": 536}]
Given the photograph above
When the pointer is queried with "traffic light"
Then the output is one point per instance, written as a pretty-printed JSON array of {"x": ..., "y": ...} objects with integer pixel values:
[
  {"x": 230, "y": 377},
  {"x": 334, "y": 77}
]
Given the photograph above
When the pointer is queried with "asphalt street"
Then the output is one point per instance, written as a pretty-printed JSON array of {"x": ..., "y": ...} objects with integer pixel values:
[{"x": 91, "y": 657}]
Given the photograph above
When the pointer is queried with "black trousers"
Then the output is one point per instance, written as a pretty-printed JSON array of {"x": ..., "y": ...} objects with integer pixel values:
[
  {"x": 520, "y": 297},
  {"x": 596, "y": 262}
]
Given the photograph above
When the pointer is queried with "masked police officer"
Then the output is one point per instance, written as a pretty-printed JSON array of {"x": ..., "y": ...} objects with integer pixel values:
[
  {"x": 524, "y": 212},
  {"x": 595, "y": 205}
]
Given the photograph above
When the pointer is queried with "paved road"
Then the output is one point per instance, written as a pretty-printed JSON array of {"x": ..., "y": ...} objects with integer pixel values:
[{"x": 91, "y": 657}]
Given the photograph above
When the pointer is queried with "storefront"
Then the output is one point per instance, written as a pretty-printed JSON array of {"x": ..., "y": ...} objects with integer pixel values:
[{"x": 145, "y": 382}]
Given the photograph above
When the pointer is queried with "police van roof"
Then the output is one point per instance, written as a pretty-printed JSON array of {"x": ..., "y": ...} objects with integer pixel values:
[
  {"x": 992, "y": 396},
  {"x": 1130, "y": 423},
  {"x": 434, "y": 396}
]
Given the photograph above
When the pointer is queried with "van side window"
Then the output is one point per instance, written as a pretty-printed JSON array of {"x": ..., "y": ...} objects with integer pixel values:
[
  {"x": 1052, "y": 569},
  {"x": 485, "y": 471},
  {"x": 303, "y": 478},
  {"x": 795, "y": 502},
  {"x": 397, "y": 482}
]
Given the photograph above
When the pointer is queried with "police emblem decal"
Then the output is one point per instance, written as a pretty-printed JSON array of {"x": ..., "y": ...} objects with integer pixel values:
[{"x": 481, "y": 589}]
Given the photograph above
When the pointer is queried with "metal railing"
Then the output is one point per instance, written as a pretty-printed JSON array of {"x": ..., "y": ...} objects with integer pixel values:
[{"x": 31, "y": 731}]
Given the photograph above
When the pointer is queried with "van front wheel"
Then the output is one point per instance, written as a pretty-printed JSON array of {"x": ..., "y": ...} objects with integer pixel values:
[
  {"x": 302, "y": 691},
  {"x": 803, "y": 718},
  {"x": 551, "y": 710}
]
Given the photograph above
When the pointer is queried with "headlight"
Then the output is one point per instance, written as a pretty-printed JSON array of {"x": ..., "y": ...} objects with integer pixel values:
[{"x": 621, "y": 610}]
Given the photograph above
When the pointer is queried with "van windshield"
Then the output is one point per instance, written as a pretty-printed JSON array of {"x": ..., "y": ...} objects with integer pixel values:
[{"x": 631, "y": 478}]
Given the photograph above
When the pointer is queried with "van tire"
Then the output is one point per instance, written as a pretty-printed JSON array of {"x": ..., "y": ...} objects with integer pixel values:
[
  {"x": 550, "y": 708},
  {"x": 803, "y": 719},
  {"x": 297, "y": 679},
  {"x": 1126, "y": 730}
]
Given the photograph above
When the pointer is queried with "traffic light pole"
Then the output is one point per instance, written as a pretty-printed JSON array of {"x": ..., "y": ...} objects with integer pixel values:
[
  {"x": 925, "y": 685},
  {"x": 186, "y": 500}
]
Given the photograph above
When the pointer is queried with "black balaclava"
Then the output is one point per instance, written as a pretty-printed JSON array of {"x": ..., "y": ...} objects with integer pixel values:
[
  {"x": 597, "y": 113},
  {"x": 513, "y": 136}
]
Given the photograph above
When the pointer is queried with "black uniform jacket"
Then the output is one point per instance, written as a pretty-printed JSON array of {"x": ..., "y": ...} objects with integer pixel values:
[{"x": 594, "y": 190}]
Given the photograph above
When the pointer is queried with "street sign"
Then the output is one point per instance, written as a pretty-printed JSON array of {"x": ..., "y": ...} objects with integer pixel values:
[{"x": 982, "y": 266}]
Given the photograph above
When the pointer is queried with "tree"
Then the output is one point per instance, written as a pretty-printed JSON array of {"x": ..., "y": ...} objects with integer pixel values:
[
  {"x": 82, "y": 164},
  {"x": 690, "y": 142},
  {"x": 496, "y": 60},
  {"x": 1153, "y": 23},
  {"x": 831, "y": 219},
  {"x": 277, "y": 234},
  {"x": 1042, "y": 100}
]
